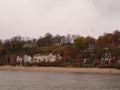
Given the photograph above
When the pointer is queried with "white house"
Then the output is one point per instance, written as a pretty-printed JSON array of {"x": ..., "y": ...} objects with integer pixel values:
[
  {"x": 27, "y": 58},
  {"x": 40, "y": 58},
  {"x": 36, "y": 58},
  {"x": 19, "y": 60},
  {"x": 45, "y": 58},
  {"x": 107, "y": 58}
]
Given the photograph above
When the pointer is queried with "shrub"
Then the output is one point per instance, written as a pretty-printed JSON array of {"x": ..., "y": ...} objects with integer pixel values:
[
  {"x": 1, "y": 63},
  {"x": 118, "y": 66},
  {"x": 87, "y": 65},
  {"x": 73, "y": 65},
  {"x": 115, "y": 65}
]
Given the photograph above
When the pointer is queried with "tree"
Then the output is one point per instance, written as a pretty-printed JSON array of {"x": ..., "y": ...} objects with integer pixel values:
[
  {"x": 90, "y": 43},
  {"x": 116, "y": 37},
  {"x": 1, "y": 46},
  {"x": 100, "y": 42},
  {"x": 90, "y": 39},
  {"x": 68, "y": 38},
  {"x": 68, "y": 54},
  {"x": 45, "y": 41},
  {"x": 7, "y": 45},
  {"x": 80, "y": 43},
  {"x": 1, "y": 51},
  {"x": 57, "y": 40},
  {"x": 16, "y": 43}
]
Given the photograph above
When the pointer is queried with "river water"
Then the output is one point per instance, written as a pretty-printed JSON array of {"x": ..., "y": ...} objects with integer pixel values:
[{"x": 21, "y": 80}]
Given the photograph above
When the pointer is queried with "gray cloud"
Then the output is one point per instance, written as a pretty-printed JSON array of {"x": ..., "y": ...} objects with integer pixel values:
[
  {"x": 110, "y": 7},
  {"x": 36, "y": 17}
]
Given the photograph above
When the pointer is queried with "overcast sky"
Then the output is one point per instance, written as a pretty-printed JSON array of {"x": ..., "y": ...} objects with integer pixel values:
[{"x": 34, "y": 18}]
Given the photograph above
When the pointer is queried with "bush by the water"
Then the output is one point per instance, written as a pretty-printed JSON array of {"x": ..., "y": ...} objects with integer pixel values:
[
  {"x": 87, "y": 65},
  {"x": 109, "y": 66}
]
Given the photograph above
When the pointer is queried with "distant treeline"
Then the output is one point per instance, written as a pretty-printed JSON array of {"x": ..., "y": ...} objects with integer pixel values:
[{"x": 72, "y": 48}]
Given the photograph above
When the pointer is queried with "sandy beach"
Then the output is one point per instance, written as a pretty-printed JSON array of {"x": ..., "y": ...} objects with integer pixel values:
[{"x": 62, "y": 69}]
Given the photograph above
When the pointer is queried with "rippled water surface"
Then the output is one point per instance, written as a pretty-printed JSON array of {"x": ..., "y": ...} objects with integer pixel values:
[{"x": 21, "y": 80}]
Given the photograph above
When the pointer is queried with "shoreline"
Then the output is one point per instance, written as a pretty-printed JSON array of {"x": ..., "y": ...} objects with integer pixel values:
[{"x": 61, "y": 69}]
